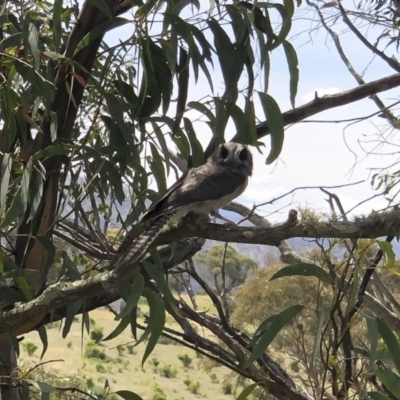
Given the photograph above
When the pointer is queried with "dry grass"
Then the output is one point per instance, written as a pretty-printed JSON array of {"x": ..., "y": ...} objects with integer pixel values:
[{"x": 125, "y": 372}]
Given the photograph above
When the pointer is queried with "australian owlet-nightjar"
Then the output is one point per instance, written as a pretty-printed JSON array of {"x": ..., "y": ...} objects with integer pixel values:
[{"x": 204, "y": 189}]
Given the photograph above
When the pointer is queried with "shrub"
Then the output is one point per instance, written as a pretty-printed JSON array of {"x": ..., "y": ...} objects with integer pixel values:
[
  {"x": 168, "y": 371},
  {"x": 214, "y": 378},
  {"x": 158, "y": 393},
  {"x": 121, "y": 350},
  {"x": 165, "y": 340},
  {"x": 90, "y": 383},
  {"x": 69, "y": 344},
  {"x": 227, "y": 388},
  {"x": 187, "y": 381},
  {"x": 131, "y": 349},
  {"x": 93, "y": 351},
  {"x": 294, "y": 366},
  {"x": 96, "y": 334},
  {"x": 29, "y": 347},
  {"x": 100, "y": 368},
  {"x": 155, "y": 361},
  {"x": 186, "y": 360},
  {"x": 194, "y": 387}
]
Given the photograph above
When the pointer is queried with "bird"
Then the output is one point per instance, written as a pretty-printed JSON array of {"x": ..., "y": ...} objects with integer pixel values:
[{"x": 202, "y": 190}]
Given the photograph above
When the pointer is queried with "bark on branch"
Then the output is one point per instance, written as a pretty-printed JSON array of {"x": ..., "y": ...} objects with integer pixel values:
[
  {"x": 374, "y": 226},
  {"x": 63, "y": 293},
  {"x": 335, "y": 100}
]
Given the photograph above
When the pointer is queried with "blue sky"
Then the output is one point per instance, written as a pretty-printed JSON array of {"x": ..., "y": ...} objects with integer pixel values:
[{"x": 314, "y": 154}]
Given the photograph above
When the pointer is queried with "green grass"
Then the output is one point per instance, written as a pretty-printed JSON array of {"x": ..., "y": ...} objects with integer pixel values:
[{"x": 125, "y": 372}]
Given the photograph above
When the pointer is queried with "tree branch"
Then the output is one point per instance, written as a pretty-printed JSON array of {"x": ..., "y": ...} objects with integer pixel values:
[
  {"x": 331, "y": 101},
  {"x": 374, "y": 226}
]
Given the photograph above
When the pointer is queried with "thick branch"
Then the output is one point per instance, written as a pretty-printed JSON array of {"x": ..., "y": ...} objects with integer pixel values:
[
  {"x": 97, "y": 290},
  {"x": 374, "y": 226},
  {"x": 336, "y": 100}
]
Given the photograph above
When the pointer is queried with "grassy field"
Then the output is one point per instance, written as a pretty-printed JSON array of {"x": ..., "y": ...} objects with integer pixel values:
[{"x": 124, "y": 371}]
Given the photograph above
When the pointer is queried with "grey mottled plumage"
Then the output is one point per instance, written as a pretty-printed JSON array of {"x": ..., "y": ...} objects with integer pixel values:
[{"x": 204, "y": 189}]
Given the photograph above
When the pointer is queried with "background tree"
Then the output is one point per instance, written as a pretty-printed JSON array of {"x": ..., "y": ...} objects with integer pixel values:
[
  {"x": 228, "y": 268},
  {"x": 86, "y": 128}
]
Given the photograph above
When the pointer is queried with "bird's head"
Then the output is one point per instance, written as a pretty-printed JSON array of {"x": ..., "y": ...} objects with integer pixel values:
[{"x": 233, "y": 155}]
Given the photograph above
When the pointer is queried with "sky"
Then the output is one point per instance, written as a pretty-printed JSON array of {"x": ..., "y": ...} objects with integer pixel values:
[{"x": 315, "y": 154}]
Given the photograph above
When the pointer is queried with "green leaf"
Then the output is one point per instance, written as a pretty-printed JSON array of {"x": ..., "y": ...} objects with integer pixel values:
[
  {"x": 128, "y": 395},
  {"x": 372, "y": 331},
  {"x": 231, "y": 59},
  {"x": 162, "y": 143},
  {"x": 115, "y": 107},
  {"x": 14, "y": 211},
  {"x": 263, "y": 23},
  {"x": 26, "y": 176},
  {"x": 387, "y": 248},
  {"x": 5, "y": 179},
  {"x": 25, "y": 273},
  {"x": 85, "y": 323},
  {"x": 99, "y": 31},
  {"x": 57, "y": 10},
  {"x": 43, "y": 338},
  {"x": 286, "y": 11},
  {"x": 119, "y": 329},
  {"x": 390, "y": 380},
  {"x": 103, "y": 7},
  {"x": 59, "y": 149},
  {"x": 246, "y": 391},
  {"x": 156, "y": 321},
  {"x": 33, "y": 40},
  {"x": 136, "y": 290},
  {"x": 377, "y": 396},
  {"x": 203, "y": 110},
  {"x": 390, "y": 339},
  {"x": 36, "y": 193},
  {"x": 157, "y": 273},
  {"x": 293, "y": 64},
  {"x": 42, "y": 386},
  {"x": 197, "y": 150},
  {"x": 157, "y": 167},
  {"x": 303, "y": 269},
  {"x": 72, "y": 310},
  {"x": 275, "y": 125},
  {"x": 318, "y": 334},
  {"x": 267, "y": 335}
]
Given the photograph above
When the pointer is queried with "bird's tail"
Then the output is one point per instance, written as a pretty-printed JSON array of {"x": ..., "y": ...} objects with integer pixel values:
[{"x": 130, "y": 254}]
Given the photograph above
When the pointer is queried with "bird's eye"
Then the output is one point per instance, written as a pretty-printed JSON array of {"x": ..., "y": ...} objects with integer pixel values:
[
  {"x": 223, "y": 152},
  {"x": 244, "y": 155}
]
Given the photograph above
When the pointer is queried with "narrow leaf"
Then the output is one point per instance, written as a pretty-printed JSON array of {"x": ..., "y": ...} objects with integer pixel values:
[
  {"x": 33, "y": 40},
  {"x": 372, "y": 331},
  {"x": 5, "y": 179},
  {"x": 377, "y": 396},
  {"x": 318, "y": 335},
  {"x": 72, "y": 310},
  {"x": 247, "y": 391},
  {"x": 293, "y": 64},
  {"x": 275, "y": 125},
  {"x": 277, "y": 322},
  {"x": 136, "y": 290},
  {"x": 390, "y": 380},
  {"x": 119, "y": 329},
  {"x": 43, "y": 338},
  {"x": 387, "y": 248},
  {"x": 391, "y": 342},
  {"x": 303, "y": 269},
  {"x": 128, "y": 395},
  {"x": 156, "y": 321}
]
